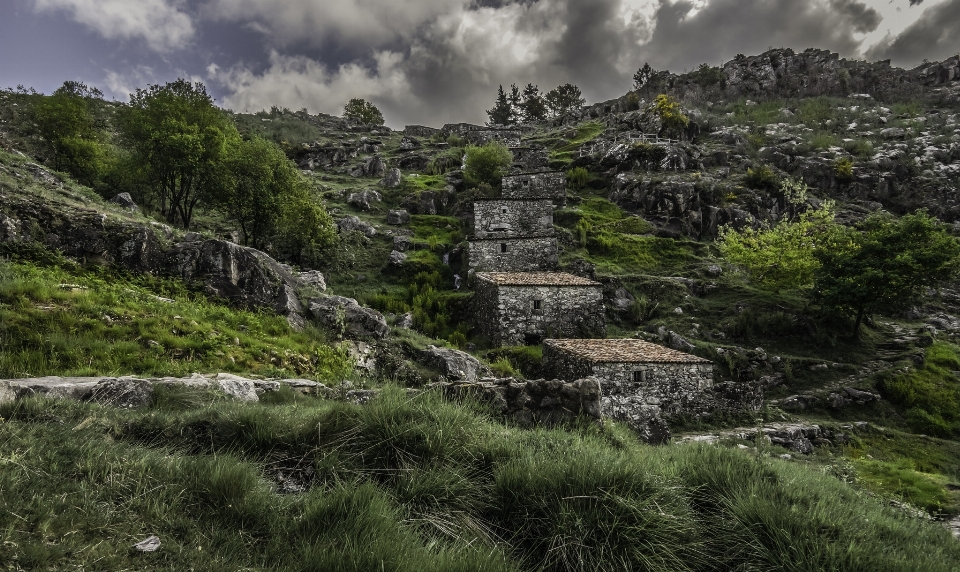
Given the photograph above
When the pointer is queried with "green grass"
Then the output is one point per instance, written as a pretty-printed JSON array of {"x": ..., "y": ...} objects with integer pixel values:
[
  {"x": 929, "y": 395},
  {"x": 585, "y": 132},
  {"x": 115, "y": 324},
  {"x": 416, "y": 484}
]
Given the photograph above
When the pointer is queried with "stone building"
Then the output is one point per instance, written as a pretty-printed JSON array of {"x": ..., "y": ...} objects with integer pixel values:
[
  {"x": 529, "y": 160},
  {"x": 635, "y": 375},
  {"x": 544, "y": 185},
  {"x": 508, "y": 137},
  {"x": 515, "y": 308},
  {"x": 512, "y": 218},
  {"x": 516, "y": 254}
]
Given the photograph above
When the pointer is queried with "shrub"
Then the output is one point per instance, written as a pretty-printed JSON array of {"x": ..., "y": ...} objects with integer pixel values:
[
  {"x": 578, "y": 177},
  {"x": 487, "y": 164},
  {"x": 843, "y": 169},
  {"x": 670, "y": 113},
  {"x": 363, "y": 111},
  {"x": 761, "y": 178}
]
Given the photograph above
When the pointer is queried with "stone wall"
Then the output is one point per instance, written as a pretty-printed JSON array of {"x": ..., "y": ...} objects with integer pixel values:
[
  {"x": 420, "y": 131},
  {"x": 548, "y": 185},
  {"x": 527, "y": 403},
  {"x": 508, "y": 315},
  {"x": 502, "y": 218},
  {"x": 673, "y": 389},
  {"x": 508, "y": 137},
  {"x": 529, "y": 159},
  {"x": 522, "y": 255}
]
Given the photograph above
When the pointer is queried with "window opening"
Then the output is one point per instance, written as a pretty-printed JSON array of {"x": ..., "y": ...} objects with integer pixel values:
[
  {"x": 639, "y": 376},
  {"x": 538, "y": 304},
  {"x": 503, "y": 247}
]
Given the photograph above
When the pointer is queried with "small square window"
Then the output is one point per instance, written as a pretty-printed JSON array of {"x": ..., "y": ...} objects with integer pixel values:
[
  {"x": 639, "y": 376},
  {"x": 503, "y": 247},
  {"x": 504, "y": 210},
  {"x": 525, "y": 182},
  {"x": 538, "y": 304}
]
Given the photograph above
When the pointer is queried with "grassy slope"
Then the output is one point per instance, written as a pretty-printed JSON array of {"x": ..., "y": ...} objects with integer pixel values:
[{"x": 418, "y": 484}]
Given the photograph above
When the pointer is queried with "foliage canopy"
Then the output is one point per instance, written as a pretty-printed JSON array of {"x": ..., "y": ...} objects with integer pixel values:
[{"x": 363, "y": 111}]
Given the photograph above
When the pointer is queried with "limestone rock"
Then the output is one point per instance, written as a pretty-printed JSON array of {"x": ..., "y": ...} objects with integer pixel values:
[
  {"x": 313, "y": 278},
  {"x": 362, "y": 199},
  {"x": 893, "y": 133},
  {"x": 397, "y": 259},
  {"x": 402, "y": 243},
  {"x": 347, "y": 317},
  {"x": 352, "y": 223},
  {"x": 125, "y": 392},
  {"x": 148, "y": 544},
  {"x": 392, "y": 179},
  {"x": 455, "y": 365},
  {"x": 398, "y": 217},
  {"x": 239, "y": 388},
  {"x": 125, "y": 201},
  {"x": 409, "y": 143},
  {"x": 7, "y": 393}
]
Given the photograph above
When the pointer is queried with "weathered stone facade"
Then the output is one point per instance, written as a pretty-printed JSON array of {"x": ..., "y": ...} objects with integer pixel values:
[
  {"x": 504, "y": 218},
  {"x": 524, "y": 308},
  {"x": 479, "y": 135},
  {"x": 547, "y": 185},
  {"x": 512, "y": 254},
  {"x": 529, "y": 160},
  {"x": 420, "y": 131}
]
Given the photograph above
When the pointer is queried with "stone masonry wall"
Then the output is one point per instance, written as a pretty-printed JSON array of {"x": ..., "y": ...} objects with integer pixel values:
[
  {"x": 549, "y": 185},
  {"x": 523, "y": 255},
  {"x": 672, "y": 389},
  {"x": 500, "y": 218},
  {"x": 509, "y": 138},
  {"x": 508, "y": 316},
  {"x": 536, "y": 402},
  {"x": 529, "y": 159}
]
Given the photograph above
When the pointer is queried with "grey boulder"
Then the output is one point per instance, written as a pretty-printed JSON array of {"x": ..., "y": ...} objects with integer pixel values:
[
  {"x": 125, "y": 201},
  {"x": 127, "y": 393},
  {"x": 398, "y": 217},
  {"x": 392, "y": 179},
  {"x": 352, "y": 223},
  {"x": 455, "y": 365},
  {"x": 362, "y": 199},
  {"x": 347, "y": 317}
]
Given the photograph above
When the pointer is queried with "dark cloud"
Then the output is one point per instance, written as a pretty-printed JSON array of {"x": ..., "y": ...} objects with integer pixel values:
[
  {"x": 935, "y": 36},
  {"x": 724, "y": 28}
]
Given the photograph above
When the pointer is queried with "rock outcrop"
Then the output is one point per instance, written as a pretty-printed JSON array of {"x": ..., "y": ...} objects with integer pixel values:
[
  {"x": 454, "y": 365},
  {"x": 346, "y": 317}
]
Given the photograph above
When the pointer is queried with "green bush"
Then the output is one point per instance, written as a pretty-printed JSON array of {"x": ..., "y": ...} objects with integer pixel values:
[
  {"x": 929, "y": 395},
  {"x": 762, "y": 178},
  {"x": 577, "y": 177},
  {"x": 843, "y": 169},
  {"x": 487, "y": 164}
]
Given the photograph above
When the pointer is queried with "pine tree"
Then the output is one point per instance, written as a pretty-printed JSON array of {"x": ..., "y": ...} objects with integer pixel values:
[
  {"x": 501, "y": 112},
  {"x": 534, "y": 107},
  {"x": 516, "y": 105},
  {"x": 565, "y": 99}
]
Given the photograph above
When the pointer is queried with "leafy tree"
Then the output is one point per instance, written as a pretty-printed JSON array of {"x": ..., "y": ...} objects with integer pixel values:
[
  {"x": 179, "y": 143},
  {"x": 565, "y": 99},
  {"x": 783, "y": 255},
  {"x": 262, "y": 177},
  {"x": 66, "y": 122},
  {"x": 516, "y": 105},
  {"x": 487, "y": 164},
  {"x": 502, "y": 112},
  {"x": 363, "y": 111},
  {"x": 305, "y": 231},
  {"x": 671, "y": 113},
  {"x": 709, "y": 76},
  {"x": 534, "y": 106},
  {"x": 885, "y": 265}
]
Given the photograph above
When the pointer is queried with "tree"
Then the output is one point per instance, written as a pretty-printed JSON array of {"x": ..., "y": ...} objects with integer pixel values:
[
  {"x": 565, "y": 99},
  {"x": 643, "y": 76},
  {"x": 502, "y": 112},
  {"x": 363, "y": 111},
  {"x": 783, "y": 255},
  {"x": 66, "y": 121},
  {"x": 305, "y": 230},
  {"x": 516, "y": 105},
  {"x": 885, "y": 265},
  {"x": 534, "y": 106},
  {"x": 487, "y": 164},
  {"x": 179, "y": 144},
  {"x": 262, "y": 177}
]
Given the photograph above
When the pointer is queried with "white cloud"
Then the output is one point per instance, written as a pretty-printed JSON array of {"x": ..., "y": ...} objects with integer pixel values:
[{"x": 159, "y": 23}]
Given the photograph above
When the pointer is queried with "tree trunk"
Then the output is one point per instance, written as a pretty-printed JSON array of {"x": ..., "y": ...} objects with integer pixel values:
[{"x": 856, "y": 325}]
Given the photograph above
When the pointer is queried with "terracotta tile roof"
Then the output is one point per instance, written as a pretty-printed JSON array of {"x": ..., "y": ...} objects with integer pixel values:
[
  {"x": 623, "y": 351},
  {"x": 535, "y": 279}
]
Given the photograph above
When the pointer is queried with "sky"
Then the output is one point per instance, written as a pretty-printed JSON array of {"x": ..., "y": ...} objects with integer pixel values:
[{"x": 431, "y": 62}]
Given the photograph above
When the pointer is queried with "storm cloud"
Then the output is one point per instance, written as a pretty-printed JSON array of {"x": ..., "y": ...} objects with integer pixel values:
[
  {"x": 161, "y": 24},
  {"x": 935, "y": 36}
]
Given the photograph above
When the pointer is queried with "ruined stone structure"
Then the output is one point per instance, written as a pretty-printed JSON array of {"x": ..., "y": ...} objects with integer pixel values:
[
  {"x": 479, "y": 135},
  {"x": 507, "y": 218},
  {"x": 546, "y": 185},
  {"x": 638, "y": 376},
  {"x": 516, "y": 308},
  {"x": 529, "y": 160},
  {"x": 420, "y": 131},
  {"x": 513, "y": 254}
]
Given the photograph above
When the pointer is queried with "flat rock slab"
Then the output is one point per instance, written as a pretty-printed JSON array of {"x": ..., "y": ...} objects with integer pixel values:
[{"x": 109, "y": 390}]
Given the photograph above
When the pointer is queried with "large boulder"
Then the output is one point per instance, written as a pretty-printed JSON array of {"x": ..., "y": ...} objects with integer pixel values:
[
  {"x": 345, "y": 316},
  {"x": 313, "y": 278},
  {"x": 392, "y": 179},
  {"x": 244, "y": 276},
  {"x": 7, "y": 393},
  {"x": 455, "y": 365},
  {"x": 398, "y": 217},
  {"x": 362, "y": 199},
  {"x": 126, "y": 392},
  {"x": 125, "y": 201},
  {"x": 352, "y": 223}
]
